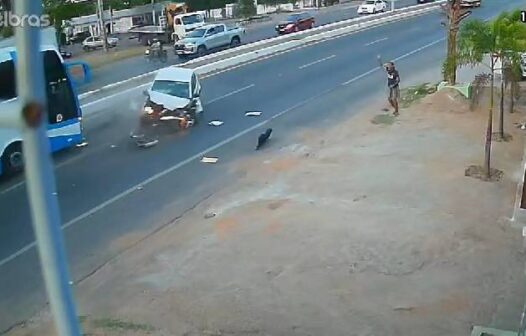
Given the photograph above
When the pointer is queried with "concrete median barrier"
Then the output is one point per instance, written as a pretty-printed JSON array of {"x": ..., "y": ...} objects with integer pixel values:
[{"x": 249, "y": 52}]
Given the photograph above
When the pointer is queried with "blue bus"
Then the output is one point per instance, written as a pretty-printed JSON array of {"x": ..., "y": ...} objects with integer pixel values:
[{"x": 64, "y": 112}]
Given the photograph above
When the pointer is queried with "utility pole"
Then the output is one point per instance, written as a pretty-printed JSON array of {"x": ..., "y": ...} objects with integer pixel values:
[
  {"x": 104, "y": 35},
  {"x": 40, "y": 178},
  {"x": 153, "y": 13}
]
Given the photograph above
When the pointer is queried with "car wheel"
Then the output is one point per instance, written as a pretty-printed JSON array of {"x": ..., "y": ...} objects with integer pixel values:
[
  {"x": 13, "y": 159},
  {"x": 235, "y": 42},
  {"x": 86, "y": 48},
  {"x": 201, "y": 51}
]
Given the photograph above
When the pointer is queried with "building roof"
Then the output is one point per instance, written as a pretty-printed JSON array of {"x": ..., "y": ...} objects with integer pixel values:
[{"x": 174, "y": 73}]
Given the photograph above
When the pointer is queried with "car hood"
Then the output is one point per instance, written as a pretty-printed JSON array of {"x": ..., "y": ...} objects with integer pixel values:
[
  {"x": 189, "y": 40},
  {"x": 367, "y": 5},
  {"x": 167, "y": 101}
]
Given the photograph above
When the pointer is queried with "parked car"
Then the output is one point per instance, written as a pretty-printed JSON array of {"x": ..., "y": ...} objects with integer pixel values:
[
  {"x": 372, "y": 7},
  {"x": 295, "y": 23},
  {"x": 201, "y": 40},
  {"x": 470, "y": 3},
  {"x": 79, "y": 37},
  {"x": 94, "y": 42}
]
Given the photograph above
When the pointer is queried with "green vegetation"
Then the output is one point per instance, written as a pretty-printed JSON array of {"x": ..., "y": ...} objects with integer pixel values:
[
  {"x": 415, "y": 93},
  {"x": 503, "y": 38}
]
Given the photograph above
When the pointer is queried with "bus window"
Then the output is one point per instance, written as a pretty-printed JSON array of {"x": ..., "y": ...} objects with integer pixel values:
[
  {"x": 8, "y": 82},
  {"x": 61, "y": 100}
]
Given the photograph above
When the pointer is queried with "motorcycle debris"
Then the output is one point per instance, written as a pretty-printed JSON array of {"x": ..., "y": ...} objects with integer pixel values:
[
  {"x": 209, "y": 160},
  {"x": 147, "y": 143},
  {"x": 140, "y": 188},
  {"x": 113, "y": 146},
  {"x": 82, "y": 144},
  {"x": 253, "y": 114},
  {"x": 215, "y": 123}
]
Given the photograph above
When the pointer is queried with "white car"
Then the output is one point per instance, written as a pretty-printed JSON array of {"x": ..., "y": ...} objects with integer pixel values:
[
  {"x": 372, "y": 7},
  {"x": 174, "y": 88},
  {"x": 94, "y": 42}
]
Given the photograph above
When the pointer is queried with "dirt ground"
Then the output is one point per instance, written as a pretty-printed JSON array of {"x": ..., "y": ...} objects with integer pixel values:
[{"x": 367, "y": 228}]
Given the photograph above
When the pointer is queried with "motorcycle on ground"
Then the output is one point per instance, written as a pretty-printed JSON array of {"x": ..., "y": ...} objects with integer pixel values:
[{"x": 154, "y": 54}]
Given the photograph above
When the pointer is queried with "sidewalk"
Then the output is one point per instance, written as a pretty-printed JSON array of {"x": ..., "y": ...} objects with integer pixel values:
[{"x": 365, "y": 228}]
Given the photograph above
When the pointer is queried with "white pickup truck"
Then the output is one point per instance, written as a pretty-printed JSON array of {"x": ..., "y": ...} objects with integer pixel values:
[{"x": 206, "y": 38}]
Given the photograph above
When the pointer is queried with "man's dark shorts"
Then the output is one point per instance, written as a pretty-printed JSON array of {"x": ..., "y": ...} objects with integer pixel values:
[{"x": 394, "y": 93}]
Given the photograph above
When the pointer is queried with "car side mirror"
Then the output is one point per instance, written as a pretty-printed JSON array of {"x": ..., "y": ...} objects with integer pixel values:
[
  {"x": 197, "y": 93},
  {"x": 145, "y": 93}
]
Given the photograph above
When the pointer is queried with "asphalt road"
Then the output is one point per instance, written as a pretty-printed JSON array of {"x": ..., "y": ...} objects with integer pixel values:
[
  {"x": 259, "y": 31},
  {"x": 113, "y": 195}
]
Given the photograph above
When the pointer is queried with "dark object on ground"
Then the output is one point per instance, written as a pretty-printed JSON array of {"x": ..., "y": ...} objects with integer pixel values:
[
  {"x": 479, "y": 172},
  {"x": 263, "y": 138}
]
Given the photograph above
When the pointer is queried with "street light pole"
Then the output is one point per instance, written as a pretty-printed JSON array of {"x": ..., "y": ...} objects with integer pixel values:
[
  {"x": 40, "y": 178},
  {"x": 100, "y": 9},
  {"x": 153, "y": 13}
]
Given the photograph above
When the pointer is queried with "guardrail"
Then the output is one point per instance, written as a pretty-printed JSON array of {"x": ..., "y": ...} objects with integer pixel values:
[{"x": 246, "y": 52}]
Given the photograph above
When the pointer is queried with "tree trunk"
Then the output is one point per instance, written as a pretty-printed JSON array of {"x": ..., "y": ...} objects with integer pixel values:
[
  {"x": 512, "y": 96},
  {"x": 453, "y": 58},
  {"x": 489, "y": 130},
  {"x": 501, "y": 116}
]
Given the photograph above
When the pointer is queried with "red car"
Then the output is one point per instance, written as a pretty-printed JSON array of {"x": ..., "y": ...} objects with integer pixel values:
[{"x": 295, "y": 23}]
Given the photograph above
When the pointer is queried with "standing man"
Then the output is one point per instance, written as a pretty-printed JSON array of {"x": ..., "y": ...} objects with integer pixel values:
[{"x": 393, "y": 82}]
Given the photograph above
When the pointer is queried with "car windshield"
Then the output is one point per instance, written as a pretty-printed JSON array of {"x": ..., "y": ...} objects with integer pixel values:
[
  {"x": 369, "y": 2},
  {"x": 172, "y": 88},
  {"x": 197, "y": 33},
  {"x": 191, "y": 19},
  {"x": 293, "y": 18}
]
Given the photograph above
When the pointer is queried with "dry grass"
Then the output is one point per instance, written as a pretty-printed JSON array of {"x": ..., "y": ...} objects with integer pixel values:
[{"x": 98, "y": 60}]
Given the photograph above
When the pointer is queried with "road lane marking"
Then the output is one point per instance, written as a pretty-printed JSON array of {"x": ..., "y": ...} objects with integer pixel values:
[
  {"x": 93, "y": 115},
  {"x": 375, "y": 41},
  {"x": 316, "y": 62},
  {"x": 394, "y": 60},
  {"x": 111, "y": 97},
  {"x": 230, "y": 94}
]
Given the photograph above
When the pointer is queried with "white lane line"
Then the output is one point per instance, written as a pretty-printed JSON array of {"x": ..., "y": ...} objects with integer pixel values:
[
  {"x": 164, "y": 173},
  {"x": 316, "y": 62},
  {"x": 13, "y": 187},
  {"x": 375, "y": 41},
  {"x": 230, "y": 94},
  {"x": 73, "y": 159},
  {"x": 394, "y": 60},
  {"x": 112, "y": 96},
  {"x": 198, "y": 156}
]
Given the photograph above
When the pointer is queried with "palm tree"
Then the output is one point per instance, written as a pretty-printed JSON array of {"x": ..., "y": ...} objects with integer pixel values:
[
  {"x": 479, "y": 39},
  {"x": 512, "y": 36}
]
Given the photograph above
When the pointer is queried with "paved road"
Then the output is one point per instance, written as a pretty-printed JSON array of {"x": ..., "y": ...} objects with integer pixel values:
[
  {"x": 102, "y": 206},
  {"x": 259, "y": 31}
]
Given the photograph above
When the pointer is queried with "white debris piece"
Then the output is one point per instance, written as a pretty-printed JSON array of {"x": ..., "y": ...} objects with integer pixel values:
[
  {"x": 215, "y": 123},
  {"x": 209, "y": 159},
  {"x": 82, "y": 144},
  {"x": 253, "y": 114}
]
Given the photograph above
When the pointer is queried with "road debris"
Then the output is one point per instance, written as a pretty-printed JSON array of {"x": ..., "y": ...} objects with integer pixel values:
[
  {"x": 146, "y": 143},
  {"x": 253, "y": 114},
  {"x": 215, "y": 123},
  {"x": 209, "y": 215},
  {"x": 263, "y": 138},
  {"x": 113, "y": 146},
  {"x": 209, "y": 159},
  {"x": 82, "y": 144},
  {"x": 140, "y": 188}
]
